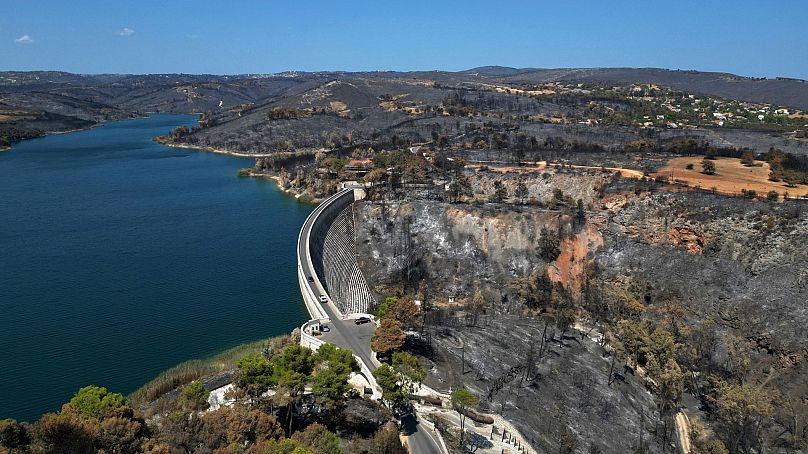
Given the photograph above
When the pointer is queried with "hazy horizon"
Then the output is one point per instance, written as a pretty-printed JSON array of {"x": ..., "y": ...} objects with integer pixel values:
[
  {"x": 394, "y": 71},
  {"x": 745, "y": 38}
]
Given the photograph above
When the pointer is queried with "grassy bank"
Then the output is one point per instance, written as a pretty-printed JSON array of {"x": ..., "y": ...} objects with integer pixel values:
[{"x": 195, "y": 369}]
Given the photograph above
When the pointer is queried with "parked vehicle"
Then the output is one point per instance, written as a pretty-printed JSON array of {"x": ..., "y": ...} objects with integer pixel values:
[
  {"x": 325, "y": 328},
  {"x": 362, "y": 320}
]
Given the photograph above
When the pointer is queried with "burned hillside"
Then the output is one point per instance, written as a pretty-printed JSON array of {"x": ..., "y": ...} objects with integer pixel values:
[{"x": 685, "y": 288}]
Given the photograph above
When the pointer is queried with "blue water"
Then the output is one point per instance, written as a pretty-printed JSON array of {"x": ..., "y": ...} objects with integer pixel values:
[{"x": 120, "y": 258}]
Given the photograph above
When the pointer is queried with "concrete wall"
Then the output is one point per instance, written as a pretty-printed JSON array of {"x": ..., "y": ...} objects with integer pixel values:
[{"x": 320, "y": 230}]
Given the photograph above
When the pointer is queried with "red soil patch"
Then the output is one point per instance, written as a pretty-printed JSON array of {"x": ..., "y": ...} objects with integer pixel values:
[{"x": 570, "y": 266}]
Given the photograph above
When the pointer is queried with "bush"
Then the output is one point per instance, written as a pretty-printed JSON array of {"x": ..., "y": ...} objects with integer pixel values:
[
  {"x": 749, "y": 193},
  {"x": 748, "y": 158}
]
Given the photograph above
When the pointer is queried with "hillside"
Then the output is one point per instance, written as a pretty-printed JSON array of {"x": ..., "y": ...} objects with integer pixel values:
[{"x": 366, "y": 106}]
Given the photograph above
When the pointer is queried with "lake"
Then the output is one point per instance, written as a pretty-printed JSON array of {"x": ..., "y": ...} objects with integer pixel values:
[{"x": 120, "y": 258}]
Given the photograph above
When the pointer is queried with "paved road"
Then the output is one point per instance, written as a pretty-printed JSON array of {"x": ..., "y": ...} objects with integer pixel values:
[
  {"x": 346, "y": 334},
  {"x": 419, "y": 439}
]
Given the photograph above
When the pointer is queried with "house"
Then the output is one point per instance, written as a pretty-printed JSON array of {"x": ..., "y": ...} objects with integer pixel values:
[{"x": 356, "y": 165}]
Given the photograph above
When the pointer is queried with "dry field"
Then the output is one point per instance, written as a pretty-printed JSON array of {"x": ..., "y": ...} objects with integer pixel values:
[{"x": 731, "y": 177}]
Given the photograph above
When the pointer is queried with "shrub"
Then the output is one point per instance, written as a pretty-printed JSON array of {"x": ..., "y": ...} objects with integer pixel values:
[
  {"x": 748, "y": 158},
  {"x": 749, "y": 193},
  {"x": 195, "y": 396},
  {"x": 708, "y": 167}
]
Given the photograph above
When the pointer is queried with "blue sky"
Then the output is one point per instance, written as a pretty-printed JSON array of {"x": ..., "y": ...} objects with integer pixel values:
[{"x": 755, "y": 38}]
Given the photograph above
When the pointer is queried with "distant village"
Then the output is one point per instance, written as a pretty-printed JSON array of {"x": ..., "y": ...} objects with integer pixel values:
[{"x": 652, "y": 105}]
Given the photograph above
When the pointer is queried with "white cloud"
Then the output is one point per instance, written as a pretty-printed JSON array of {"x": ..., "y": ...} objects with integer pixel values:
[
  {"x": 126, "y": 31},
  {"x": 24, "y": 39}
]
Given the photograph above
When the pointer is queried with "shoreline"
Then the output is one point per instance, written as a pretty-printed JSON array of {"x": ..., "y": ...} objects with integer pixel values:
[
  {"x": 49, "y": 133},
  {"x": 68, "y": 131},
  {"x": 213, "y": 150},
  {"x": 299, "y": 196}
]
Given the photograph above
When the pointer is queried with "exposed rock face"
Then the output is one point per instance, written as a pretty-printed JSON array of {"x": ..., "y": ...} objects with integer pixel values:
[
  {"x": 542, "y": 184},
  {"x": 745, "y": 260},
  {"x": 461, "y": 247},
  {"x": 455, "y": 247}
]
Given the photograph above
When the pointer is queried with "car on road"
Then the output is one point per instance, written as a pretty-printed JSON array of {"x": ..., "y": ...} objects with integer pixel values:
[
  {"x": 325, "y": 329},
  {"x": 362, "y": 320},
  {"x": 310, "y": 279},
  {"x": 323, "y": 299}
]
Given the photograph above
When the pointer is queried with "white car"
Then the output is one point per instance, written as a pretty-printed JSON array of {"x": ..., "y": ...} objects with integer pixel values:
[{"x": 323, "y": 299}]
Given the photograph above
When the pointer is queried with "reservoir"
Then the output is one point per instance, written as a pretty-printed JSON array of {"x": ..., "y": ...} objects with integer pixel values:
[{"x": 120, "y": 258}]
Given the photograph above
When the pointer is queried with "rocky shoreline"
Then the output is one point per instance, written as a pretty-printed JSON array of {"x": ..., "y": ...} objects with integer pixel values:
[{"x": 210, "y": 149}]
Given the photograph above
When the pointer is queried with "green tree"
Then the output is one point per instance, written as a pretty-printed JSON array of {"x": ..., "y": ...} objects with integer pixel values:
[
  {"x": 388, "y": 380},
  {"x": 742, "y": 411},
  {"x": 462, "y": 400},
  {"x": 708, "y": 167},
  {"x": 95, "y": 402},
  {"x": 255, "y": 375},
  {"x": 293, "y": 368},
  {"x": 411, "y": 371},
  {"x": 381, "y": 309},
  {"x": 330, "y": 386},
  {"x": 194, "y": 397},
  {"x": 294, "y": 358},
  {"x": 332, "y": 356}
]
